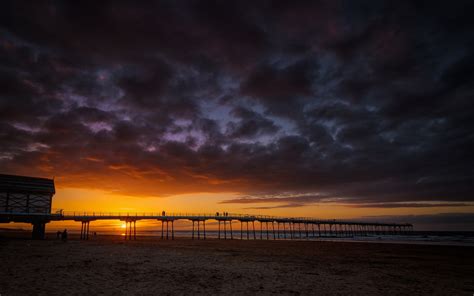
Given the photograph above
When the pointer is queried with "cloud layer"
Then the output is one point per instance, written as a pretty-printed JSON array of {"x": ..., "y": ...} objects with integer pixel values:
[{"x": 364, "y": 103}]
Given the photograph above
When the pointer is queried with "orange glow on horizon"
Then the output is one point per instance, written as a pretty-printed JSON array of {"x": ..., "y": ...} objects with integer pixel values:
[
  {"x": 91, "y": 200},
  {"x": 73, "y": 199}
]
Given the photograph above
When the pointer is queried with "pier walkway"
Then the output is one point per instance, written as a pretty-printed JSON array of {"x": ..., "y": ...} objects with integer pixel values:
[{"x": 251, "y": 226}]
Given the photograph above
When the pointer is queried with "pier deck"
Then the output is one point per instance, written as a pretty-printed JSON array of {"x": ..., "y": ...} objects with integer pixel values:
[{"x": 271, "y": 227}]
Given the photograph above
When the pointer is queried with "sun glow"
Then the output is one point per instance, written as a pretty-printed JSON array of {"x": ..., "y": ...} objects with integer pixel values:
[{"x": 123, "y": 226}]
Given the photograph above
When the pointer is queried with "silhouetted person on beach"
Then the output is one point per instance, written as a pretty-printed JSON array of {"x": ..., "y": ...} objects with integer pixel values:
[{"x": 64, "y": 235}]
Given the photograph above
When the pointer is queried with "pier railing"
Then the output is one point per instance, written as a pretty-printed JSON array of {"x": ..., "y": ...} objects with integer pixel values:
[
  {"x": 160, "y": 214},
  {"x": 65, "y": 215},
  {"x": 191, "y": 215},
  {"x": 295, "y": 225}
]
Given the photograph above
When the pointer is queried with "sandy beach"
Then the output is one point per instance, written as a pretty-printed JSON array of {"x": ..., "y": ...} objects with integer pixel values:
[{"x": 149, "y": 266}]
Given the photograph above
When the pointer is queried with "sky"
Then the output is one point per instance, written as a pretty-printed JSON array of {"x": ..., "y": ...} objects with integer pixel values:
[{"x": 331, "y": 109}]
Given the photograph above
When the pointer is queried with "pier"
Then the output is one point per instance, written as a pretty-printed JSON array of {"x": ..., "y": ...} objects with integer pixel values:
[
  {"x": 251, "y": 226},
  {"x": 29, "y": 199}
]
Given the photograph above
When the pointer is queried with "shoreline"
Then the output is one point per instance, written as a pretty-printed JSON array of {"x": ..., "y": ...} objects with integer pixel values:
[
  {"x": 182, "y": 235},
  {"x": 148, "y": 266}
]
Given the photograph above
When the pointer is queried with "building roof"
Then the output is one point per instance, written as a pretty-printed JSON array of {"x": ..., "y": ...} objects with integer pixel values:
[{"x": 26, "y": 184}]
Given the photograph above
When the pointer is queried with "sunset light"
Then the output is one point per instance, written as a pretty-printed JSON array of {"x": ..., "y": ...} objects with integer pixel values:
[{"x": 232, "y": 147}]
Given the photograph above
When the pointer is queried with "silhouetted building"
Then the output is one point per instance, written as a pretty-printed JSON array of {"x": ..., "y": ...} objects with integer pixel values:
[
  {"x": 20, "y": 194},
  {"x": 26, "y": 199}
]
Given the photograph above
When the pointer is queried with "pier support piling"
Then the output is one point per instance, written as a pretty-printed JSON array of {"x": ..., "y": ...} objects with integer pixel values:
[
  {"x": 204, "y": 228},
  {"x": 38, "y": 230}
]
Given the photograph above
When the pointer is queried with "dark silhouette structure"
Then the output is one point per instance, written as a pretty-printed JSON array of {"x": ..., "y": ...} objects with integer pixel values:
[{"x": 26, "y": 199}]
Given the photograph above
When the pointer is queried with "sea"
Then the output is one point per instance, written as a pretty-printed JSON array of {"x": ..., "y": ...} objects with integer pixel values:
[
  {"x": 460, "y": 238},
  {"x": 454, "y": 238}
]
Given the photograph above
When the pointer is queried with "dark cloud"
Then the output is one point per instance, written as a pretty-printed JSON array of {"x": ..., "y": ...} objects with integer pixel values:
[
  {"x": 281, "y": 200},
  {"x": 367, "y": 104},
  {"x": 250, "y": 124},
  {"x": 292, "y": 81},
  {"x": 410, "y": 205}
]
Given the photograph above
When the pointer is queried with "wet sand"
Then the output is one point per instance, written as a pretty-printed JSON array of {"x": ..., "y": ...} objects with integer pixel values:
[{"x": 149, "y": 266}]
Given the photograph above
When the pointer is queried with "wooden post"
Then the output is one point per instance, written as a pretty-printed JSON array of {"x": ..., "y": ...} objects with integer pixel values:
[
  {"x": 82, "y": 226},
  {"x": 199, "y": 230},
  {"x": 241, "y": 229},
  {"x": 247, "y": 229},
  {"x": 87, "y": 237},
  {"x": 172, "y": 229},
  {"x": 253, "y": 225},
  {"x": 193, "y": 230},
  {"x": 219, "y": 229},
  {"x": 266, "y": 226},
  {"x": 162, "y": 226},
  {"x": 167, "y": 228},
  {"x": 204, "y": 228},
  {"x": 225, "y": 229},
  {"x": 135, "y": 230},
  {"x": 273, "y": 228},
  {"x": 38, "y": 230},
  {"x": 126, "y": 230}
]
